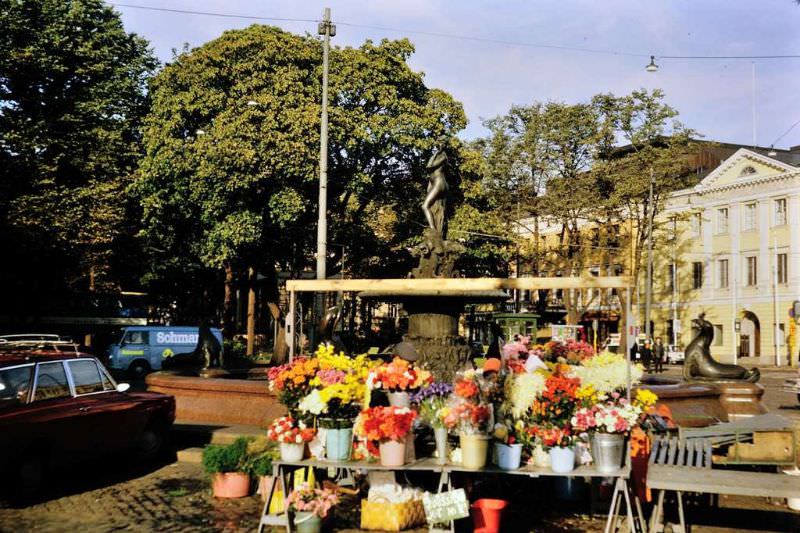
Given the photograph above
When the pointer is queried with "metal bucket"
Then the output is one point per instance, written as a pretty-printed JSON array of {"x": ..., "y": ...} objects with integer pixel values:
[{"x": 608, "y": 450}]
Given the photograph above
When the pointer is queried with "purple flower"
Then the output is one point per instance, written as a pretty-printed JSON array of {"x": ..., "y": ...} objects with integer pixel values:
[{"x": 433, "y": 390}]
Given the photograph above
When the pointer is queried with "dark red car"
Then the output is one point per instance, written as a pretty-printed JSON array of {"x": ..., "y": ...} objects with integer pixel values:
[{"x": 55, "y": 409}]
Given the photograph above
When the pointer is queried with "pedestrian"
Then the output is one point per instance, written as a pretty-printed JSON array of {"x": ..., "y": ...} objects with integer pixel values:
[
  {"x": 647, "y": 355},
  {"x": 659, "y": 353}
]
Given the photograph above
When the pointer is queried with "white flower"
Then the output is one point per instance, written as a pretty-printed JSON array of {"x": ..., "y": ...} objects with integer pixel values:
[
  {"x": 313, "y": 404},
  {"x": 298, "y": 439}
]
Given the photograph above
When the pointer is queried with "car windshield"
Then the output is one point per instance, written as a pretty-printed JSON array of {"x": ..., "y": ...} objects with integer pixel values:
[{"x": 14, "y": 385}]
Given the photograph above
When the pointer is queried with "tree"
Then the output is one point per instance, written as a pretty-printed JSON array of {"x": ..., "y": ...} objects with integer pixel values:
[
  {"x": 229, "y": 178},
  {"x": 72, "y": 93}
]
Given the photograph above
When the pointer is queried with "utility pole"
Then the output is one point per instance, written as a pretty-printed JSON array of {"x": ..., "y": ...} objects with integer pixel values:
[
  {"x": 777, "y": 331},
  {"x": 674, "y": 282},
  {"x": 327, "y": 30},
  {"x": 649, "y": 287}
]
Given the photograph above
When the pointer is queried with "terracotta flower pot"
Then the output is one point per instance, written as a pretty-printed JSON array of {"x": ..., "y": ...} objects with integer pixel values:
[{"x": 230, "y": 485}]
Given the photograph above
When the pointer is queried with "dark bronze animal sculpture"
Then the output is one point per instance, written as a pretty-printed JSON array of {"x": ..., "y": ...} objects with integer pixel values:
[{"x": 700, "y": 366}]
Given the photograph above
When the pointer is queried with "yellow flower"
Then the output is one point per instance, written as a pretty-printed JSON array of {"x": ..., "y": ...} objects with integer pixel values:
[{"x": 645, "y": 399}]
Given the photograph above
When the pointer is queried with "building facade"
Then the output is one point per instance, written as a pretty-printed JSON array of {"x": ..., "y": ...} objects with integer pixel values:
[{"x": 731, "y": 249}]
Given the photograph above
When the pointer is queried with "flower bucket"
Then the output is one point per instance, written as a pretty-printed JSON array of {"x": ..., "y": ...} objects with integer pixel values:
[
  {"x": 608, "y": 451},
  {"x": 792, "y": 503},
  {"x": 338, "y": 443},
  {"x": 305, "y": 522},
  {"x": 292, "y": 452},
  {"x": 473, "y": 451},
  {"x": 393, "y": 453},
  {"x": 562, "y": 460},
  {"x": 441, "y": 445},
  {"x": 230, "y": 485},
  {"x": 508, "y": 456},
  {"x": 399, "y": 399},
  {"x": 487, "y": 515}
]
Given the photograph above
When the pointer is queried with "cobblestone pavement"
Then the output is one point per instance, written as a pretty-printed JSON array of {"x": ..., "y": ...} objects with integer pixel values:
[
  {"x": 171, "y": 498},
  {"x": 175, "y": 497}
]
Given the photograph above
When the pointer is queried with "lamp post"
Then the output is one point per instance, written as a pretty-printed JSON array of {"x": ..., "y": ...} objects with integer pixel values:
[
  {"x": 648, "y": 295},
  {"x": 327, "y": 30}
]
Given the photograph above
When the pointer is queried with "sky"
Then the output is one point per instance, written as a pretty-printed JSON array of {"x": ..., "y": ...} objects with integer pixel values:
[{"x": 714, "y": 96}]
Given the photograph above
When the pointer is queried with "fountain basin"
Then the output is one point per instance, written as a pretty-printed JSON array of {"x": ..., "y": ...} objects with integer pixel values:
[
  {"x": 236, "y": 397},
  {"x": 699, "y": 404}
]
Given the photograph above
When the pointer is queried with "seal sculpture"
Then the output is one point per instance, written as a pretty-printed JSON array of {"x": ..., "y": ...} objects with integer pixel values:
[{"x": 700, "y": 366}]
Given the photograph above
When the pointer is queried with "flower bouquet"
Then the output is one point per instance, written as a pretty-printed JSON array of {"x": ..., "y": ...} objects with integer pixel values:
[
  {"x": 559, "y": 441},
  {"x": 431, "y": 403},
  {"x": 310, "y": 505},
  {"x": 292, "y": 382},
  {"x": 397, "y": 379},
  {"x": 292, "y": 435},
  {"x": 388, "y": 427},
  {"x": 337, "y": 391},
  {"x": 507, "y": 449}
]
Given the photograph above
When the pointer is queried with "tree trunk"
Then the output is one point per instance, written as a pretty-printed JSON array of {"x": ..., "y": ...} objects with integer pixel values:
[
  {"x": 251, "y": 311},
  {"x": 229, "y": 304}
]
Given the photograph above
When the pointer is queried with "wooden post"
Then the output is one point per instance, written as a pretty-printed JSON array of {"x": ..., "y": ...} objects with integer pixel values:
[
  {"x": 251, "y": 311},
  {"x": 290, "y": 323},
  {"x": 627, "y": 349}
]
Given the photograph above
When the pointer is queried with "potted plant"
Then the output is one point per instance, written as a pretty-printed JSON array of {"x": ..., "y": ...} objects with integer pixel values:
[
  {"x": 398, "y": 379},
  {"x": 470, "y": 420},
  {"x": 227, "y": 465},
  {"x": 292, "y": 436},
  {"x": 388, "y": 426},
  {"x": 309, "y": 506},
  {"x": 431, "y": 402}
]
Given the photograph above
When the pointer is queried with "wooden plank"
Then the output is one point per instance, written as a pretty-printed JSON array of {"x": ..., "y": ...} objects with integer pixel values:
[
  {"x": 657, "y": 443},
  {"x": 673, "y": 451},
  {"x": 733, "y": 482},
  {"x": 443, "y": 285},
  {"x": 689, "y": 459},
  {"x": 709, "y": 456},
  {"x": 662, "y": 457}
]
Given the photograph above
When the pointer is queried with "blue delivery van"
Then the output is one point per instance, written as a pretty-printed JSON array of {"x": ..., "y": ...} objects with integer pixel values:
[{"x": 143, "y": 348}]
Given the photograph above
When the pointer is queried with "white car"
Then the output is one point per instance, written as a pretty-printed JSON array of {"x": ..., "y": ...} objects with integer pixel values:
[{"x": 674, "y": 355}]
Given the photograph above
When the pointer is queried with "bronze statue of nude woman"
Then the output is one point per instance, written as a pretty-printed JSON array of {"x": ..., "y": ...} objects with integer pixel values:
[{"x": 435, "y": 203}]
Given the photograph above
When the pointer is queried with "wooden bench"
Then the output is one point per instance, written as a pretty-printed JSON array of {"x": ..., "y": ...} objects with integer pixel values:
[{"x": 706, "y": 481}]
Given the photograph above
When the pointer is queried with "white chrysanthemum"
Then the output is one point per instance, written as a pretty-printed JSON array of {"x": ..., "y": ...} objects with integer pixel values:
[
  {"x": 606, "y": 373},
  {"x": 522, "y": 390},
  {"x": 313, "y": 404}
]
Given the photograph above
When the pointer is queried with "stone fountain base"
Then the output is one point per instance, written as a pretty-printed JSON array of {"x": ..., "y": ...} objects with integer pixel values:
[
  {"x": 704, "y": 404},
  {"x": 226, "y": 398}
]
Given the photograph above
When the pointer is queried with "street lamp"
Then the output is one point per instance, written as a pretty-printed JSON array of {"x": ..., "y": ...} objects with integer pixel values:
[{"x": 652, "y": 67}]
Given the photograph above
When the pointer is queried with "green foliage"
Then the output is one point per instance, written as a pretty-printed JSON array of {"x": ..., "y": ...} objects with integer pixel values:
[
  {"x": 71, "y": 98},
  {"x": 221, "y": 458},
  {"x": 245, "y": 191}
]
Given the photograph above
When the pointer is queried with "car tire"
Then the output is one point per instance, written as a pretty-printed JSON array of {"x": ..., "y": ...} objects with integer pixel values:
[
  {"x": 138, "y": 369},
  {"x": 151, "y": 442}
]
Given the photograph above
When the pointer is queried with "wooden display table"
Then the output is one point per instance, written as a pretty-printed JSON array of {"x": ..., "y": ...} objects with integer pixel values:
[{"x": 282, "y": 472}]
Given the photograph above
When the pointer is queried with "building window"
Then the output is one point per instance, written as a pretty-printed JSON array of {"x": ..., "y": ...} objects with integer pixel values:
[
  {"x": 722, "y": 220},
  {"x": 697, "y": 275},
  {"x": 780, "y": 211},
  {"x": 722, "y": 268},
  {"x": 697, "y": 223},
  {"x": 718, "y": 340},
  {"x": 752, "y": 271},
  {"x": 750, "y": 212},
  {"x": 783, "y": 265}
]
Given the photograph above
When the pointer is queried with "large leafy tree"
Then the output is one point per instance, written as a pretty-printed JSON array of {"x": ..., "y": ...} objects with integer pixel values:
[
  {"x": 72, "y": 92},
  {"x": 229, "y": 178}
]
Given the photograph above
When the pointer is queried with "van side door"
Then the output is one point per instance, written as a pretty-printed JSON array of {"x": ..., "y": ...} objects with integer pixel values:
[{"x": 135, "y": 345}]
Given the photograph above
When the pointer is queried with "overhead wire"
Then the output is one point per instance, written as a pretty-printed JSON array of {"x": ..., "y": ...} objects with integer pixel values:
[{"x": 472, "y": 38}]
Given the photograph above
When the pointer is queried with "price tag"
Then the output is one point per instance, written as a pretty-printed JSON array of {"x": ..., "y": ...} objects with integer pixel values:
[{"x": 445, "y": 506}]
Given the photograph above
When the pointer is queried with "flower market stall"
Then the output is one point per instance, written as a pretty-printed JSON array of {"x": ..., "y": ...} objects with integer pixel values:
[{"x": 559, "y": 409}]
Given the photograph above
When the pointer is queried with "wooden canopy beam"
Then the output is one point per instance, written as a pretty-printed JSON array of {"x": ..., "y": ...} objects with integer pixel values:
[{"x": 444, "y": 285}]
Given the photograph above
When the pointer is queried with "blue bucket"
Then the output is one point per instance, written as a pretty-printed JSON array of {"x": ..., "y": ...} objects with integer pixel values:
[
  {"x": 338, "y": 443},
  {"x": 508, "y": 456}
]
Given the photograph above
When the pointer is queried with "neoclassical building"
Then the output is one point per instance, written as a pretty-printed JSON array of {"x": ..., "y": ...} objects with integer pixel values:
[{"x": 732, "y": 251}]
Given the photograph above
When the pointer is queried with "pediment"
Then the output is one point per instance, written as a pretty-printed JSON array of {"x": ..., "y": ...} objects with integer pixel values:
[{"x": 742, "y": 166}]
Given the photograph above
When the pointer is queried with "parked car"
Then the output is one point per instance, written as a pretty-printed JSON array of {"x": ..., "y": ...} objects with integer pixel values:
[
  {"x": 56, "y": 409},
  {"x": 674, "y": 354},
  {"x": 143, "y": 348}
]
